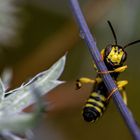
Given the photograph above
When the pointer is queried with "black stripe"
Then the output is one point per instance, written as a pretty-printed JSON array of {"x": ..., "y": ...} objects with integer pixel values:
[
  {"x": 90, "y": 113},
  {"x": 97, "y": 99}
]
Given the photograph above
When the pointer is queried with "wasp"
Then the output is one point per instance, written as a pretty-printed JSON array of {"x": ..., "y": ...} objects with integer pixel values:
[{"x": 114, "y": 57}]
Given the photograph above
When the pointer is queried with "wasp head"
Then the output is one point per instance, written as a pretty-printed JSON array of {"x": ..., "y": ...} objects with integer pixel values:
[{"x": 115, "y": 55}]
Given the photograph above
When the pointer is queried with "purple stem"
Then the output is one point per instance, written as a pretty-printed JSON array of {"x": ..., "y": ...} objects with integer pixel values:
[{"x": 109, "y": 82}]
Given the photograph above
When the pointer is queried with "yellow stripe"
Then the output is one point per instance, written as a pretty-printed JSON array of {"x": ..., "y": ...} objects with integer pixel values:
[
  {"x": 97, "y": 108},
  {"x": 89, "y": 105},
  {"x": 94, "y": 94},
  {"x": 97, "y": 102}
]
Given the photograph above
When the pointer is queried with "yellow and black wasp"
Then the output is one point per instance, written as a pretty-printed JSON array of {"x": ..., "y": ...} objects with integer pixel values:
[{"x": 114, "y": 57}]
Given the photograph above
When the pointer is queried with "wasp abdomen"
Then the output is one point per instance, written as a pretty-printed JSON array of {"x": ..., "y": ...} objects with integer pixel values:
[{"x": 94, "y": 107}]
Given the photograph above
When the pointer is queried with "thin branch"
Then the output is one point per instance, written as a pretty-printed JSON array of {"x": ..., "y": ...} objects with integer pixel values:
[{"x": 91, "y": 44}]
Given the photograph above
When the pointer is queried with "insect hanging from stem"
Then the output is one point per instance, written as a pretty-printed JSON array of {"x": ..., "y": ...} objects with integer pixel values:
[{"x": 114, "y": 56}]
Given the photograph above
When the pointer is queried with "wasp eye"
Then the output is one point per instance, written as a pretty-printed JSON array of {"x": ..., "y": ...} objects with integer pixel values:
[
  {"x": 124, "y": 57},
  {"x": 108, "y": 50}
]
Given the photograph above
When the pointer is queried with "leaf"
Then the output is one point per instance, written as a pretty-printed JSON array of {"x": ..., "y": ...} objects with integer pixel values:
[
  {"x": 2, "y": 89},
  {"x": 6, "y": 77},
  {"x": 8, "y": 135},
  {"x": 21, "y": 97},
  {"x": 26, "y": 95},
  {"x": 18, "y": 123},
  {"x": 24, "y": 121}
]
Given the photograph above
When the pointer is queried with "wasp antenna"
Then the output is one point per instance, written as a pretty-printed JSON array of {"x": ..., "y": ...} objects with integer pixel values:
[
  {"x": 113, "y": 32},
  {"x": 132, "y": 43}
]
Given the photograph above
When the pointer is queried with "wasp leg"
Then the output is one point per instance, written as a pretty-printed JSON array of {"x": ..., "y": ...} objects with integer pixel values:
[
  {"x": 102, "y": 54},
  {"x": 120, "y": 69},
  {"x": 85, "y": 80},
  {"x": 102, "y": 57},
  {"x": 95, "y": 68},
  {"x": 124, "y": 96},
  {"x": 121, "y": 86}
]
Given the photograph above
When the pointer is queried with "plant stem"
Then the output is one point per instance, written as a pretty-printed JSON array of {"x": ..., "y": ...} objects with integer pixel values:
[{"x": 109, "y": 82}]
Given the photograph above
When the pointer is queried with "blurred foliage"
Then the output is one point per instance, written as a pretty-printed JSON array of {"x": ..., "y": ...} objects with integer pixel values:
[
  {"x": 13, "y": 102},
  {"x": 48, "y": 32}
]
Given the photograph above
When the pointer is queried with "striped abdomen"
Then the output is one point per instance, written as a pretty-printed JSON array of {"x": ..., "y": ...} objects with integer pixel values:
[{"x": 94, "y": 107}]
